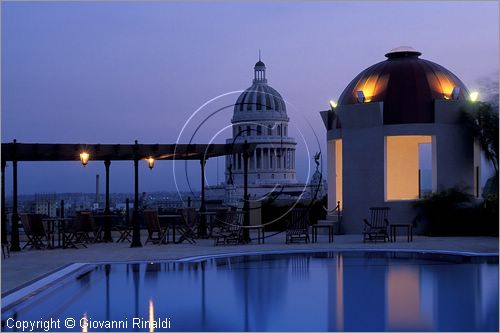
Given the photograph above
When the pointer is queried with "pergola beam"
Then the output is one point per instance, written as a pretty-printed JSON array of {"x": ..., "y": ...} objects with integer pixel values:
[{"x": 115, "y": 152}]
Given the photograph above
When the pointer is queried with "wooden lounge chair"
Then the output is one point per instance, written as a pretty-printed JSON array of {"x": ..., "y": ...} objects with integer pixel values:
[
  {"x": 125, "y": 231},
  {"x": 230, "y": 231},
  {"x": 218, "y": 221},
  {"x": 187, "y": 225},
  {"x": 298, "y": 226},
  {"x": 93, "y": 232},
  {"x": 377, "y": 227},
  {"x": 35, "y": 231},
  {"x": 156, "y": 234}
]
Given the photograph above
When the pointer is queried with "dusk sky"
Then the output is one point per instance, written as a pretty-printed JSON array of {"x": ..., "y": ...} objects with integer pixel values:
[{"x": 114, "y": 72}]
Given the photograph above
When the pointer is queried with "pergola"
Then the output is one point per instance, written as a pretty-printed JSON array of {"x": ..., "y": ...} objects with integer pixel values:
[{"x": 23, "y": 152}]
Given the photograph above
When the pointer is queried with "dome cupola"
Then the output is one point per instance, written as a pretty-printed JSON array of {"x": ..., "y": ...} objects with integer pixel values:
[
  {"x": 260, "y": 101},
  {"x": 407, "y": 85}
]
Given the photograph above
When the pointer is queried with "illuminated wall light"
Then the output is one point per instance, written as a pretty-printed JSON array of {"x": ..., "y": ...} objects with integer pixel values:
[
  {"x": 474, "y": 96},
  {"x": 455, "y": 93},
  {"x": 361, "y": 96},
  {"x": 151, "y": 162},
  {"x": 84, "y": 158},
  {"x": 333, "y": 104}
]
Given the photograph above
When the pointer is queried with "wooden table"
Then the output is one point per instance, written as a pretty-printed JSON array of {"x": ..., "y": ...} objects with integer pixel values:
[
  {"x": 407, "y": 226},
  {"x": 317, "y": 226}
]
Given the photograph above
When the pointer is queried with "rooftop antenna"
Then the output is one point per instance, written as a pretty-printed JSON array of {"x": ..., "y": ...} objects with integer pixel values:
[{"x": 259, "y": 54}]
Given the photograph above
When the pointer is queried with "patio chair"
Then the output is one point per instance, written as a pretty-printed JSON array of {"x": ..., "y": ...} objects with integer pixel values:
[
  {"x": 156, "y": 234},
  {"x": 218, "y": 221},
  {"x": 298, "y": 226},
  {"x": 377, "y": 227},
  {"x": 230, "y": 230},
  {"x": 187, "y": 225},
  {"x": 92, "y": 231},
  {"x": 35, "y": 231},
  {"x": 125, "y": 231}
]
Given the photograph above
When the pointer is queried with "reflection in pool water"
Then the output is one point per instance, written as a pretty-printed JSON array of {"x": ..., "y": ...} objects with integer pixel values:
[{"x": 335, "y": 291}]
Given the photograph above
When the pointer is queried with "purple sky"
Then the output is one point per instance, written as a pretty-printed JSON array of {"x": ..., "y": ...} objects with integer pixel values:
[{"x": 111, "y": 72}]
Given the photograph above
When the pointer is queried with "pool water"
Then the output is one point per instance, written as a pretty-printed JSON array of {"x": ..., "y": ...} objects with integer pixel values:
[{"x": 333, "y": 291}]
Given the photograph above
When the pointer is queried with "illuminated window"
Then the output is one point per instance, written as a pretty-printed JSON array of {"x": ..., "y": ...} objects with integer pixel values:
[
  {"x": 408, "y": 166},
  {"x": 338, "y": 170}
]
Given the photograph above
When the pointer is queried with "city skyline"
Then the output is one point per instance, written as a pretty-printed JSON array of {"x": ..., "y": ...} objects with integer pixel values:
[{"x": 114, "y": 72}]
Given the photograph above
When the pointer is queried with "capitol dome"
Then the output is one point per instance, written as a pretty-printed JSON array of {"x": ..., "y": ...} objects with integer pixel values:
[
  {"x": 260, "y": 118},
  {"x": 260, "y": 97},
  {"x": 407, "y": 85}
]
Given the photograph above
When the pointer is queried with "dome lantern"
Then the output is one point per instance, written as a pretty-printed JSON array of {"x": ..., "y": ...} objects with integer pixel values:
[{"x": 260, "y": 71}]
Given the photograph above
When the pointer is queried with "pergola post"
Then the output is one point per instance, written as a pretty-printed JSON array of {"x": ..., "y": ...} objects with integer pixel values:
[
  {"x": 246, "y": 203},
  {"x": 136, "y": 233},
  {"x": 107, "y": 227},
  {"x": 4, "y": 215},
  {"x": 14, "y": 235},
  {"x": 202, "y": 231}
]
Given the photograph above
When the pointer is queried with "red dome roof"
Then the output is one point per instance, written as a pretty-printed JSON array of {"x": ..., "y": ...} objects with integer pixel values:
[{"x": 407, "y": 85}]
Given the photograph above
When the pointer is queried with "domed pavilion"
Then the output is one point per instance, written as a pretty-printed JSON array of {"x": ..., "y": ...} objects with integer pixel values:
[{"x": 395, "y": 135}]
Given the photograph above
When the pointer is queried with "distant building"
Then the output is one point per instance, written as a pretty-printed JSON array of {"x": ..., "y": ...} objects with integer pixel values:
[
  {"x": 45, "y": 204},
  {"x": 260, "y": 117},
  {"x": 393, "y": 118}
]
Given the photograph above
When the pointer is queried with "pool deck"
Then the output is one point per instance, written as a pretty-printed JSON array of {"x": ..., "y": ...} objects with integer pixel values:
[{"x": 23, "y": 267}]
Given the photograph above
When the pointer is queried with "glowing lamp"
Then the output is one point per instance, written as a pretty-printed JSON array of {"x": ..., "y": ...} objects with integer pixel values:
[
  {"x": 474, "y": 96},
  {"x": 84, "y": 158},
  {"x": 361, "y": 96},
  {"x": 333, "y": 104},
  {"x": 151, "y": 162}
]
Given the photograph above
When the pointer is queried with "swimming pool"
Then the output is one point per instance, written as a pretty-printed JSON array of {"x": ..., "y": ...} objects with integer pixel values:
[{"x": 327, "y": 291}]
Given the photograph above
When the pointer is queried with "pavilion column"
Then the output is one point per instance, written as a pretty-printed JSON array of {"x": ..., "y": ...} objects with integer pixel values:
[
  {"x": 246, "y": 207},
  {"x": 136, "y": 233},
  {"x": 202, "y": 232},
  {"x": 4, "y": 215},
  {"x": 14, "y": 236},
  {"x": 107, "y": 228}
]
